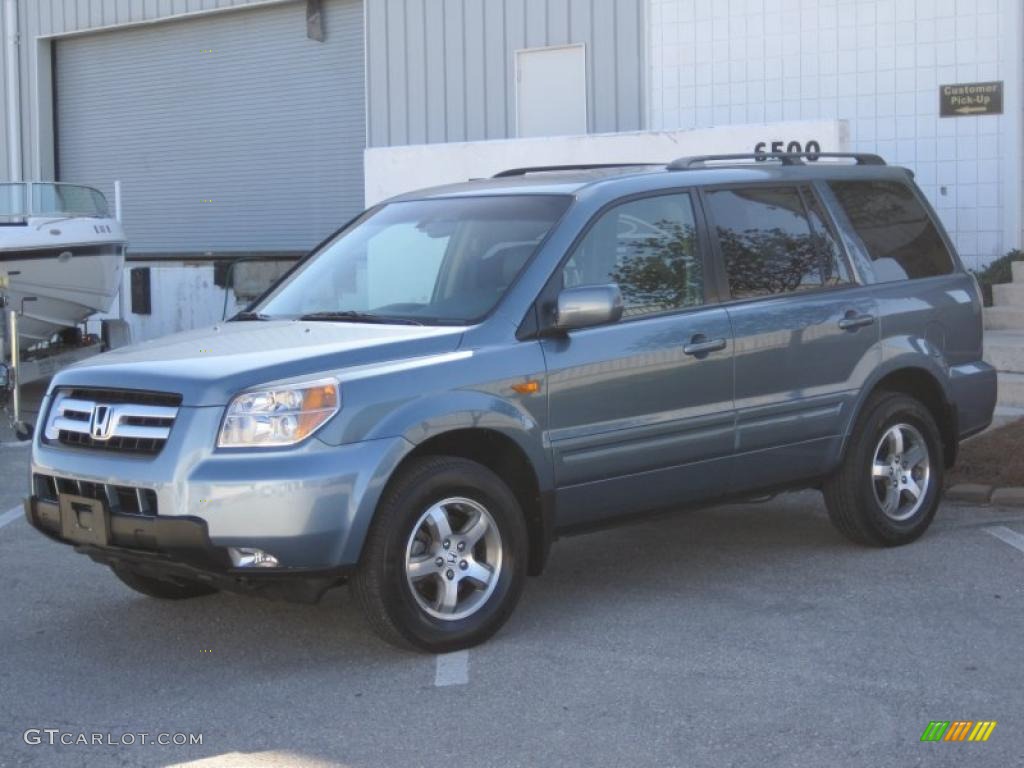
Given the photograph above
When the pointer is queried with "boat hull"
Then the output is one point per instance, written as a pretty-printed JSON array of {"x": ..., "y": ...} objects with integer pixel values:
[{"x": 56, "y": 285}]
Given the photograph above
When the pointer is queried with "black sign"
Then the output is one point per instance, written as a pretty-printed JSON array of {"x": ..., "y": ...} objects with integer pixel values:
[{"x": 967, "y": 99}]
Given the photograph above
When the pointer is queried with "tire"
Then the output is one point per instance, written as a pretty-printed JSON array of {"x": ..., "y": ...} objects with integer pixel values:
[
  {"x": 867, "y": 498},
  {"x": 178, "y": 589},
  {"x": 418, "y": 593}
]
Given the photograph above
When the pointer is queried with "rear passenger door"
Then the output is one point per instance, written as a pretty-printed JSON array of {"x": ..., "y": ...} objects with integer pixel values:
[
  {"x": 641, "y": 410},
  {"x": 806, "y": 333}
]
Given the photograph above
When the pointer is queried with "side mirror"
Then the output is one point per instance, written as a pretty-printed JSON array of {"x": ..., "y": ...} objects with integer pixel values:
[{"x": 586, "y": 306}]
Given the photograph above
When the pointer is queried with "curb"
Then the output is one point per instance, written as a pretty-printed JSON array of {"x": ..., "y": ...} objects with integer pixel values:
[{"x": 976, "y": 493}]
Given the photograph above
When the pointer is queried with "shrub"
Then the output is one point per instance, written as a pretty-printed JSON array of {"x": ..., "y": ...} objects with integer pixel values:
[{"x": 999, "y": 271}]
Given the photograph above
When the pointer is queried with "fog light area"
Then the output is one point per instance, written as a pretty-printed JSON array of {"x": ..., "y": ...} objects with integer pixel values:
[{"x": 249, "y": 557}]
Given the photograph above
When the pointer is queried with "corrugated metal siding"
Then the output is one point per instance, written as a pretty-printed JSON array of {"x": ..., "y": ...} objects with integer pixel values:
[
  {"x": 442, "y": 70},
  {"x": 40, "y": 18},
  {"x": 60, "y": 16},
  {"x": 4, "y": 176},
  {"x": 255, "y": 145}
]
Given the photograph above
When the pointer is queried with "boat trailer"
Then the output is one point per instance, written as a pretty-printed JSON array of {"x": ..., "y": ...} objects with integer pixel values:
[{"x": 38, "y": 364}]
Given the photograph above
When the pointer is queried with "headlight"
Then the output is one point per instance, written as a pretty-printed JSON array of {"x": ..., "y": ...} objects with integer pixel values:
[{"x": 277, "y": 416}]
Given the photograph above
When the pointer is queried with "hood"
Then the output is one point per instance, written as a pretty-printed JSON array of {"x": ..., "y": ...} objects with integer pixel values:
[{"x": 210, "y": 366}]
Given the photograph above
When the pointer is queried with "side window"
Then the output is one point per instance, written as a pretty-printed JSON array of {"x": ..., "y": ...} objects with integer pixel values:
[
  {"x": 768, "y": 244},
  {"x": 823, "y": 235},
  {"x": 899, "y": 235},
  {"x": 649, "y": 247}
]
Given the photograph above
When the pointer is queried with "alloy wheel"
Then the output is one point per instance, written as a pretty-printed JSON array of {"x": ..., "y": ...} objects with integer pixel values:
[
  {"x": 901, "y": 472},
  {"x": 453, "y": 558}
]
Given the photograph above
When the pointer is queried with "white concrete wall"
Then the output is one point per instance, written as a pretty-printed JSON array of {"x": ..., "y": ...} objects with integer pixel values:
[
  {"x": 394, "y": 170},
  {"x": 186, "y": 296},
  {"x": 183, "y": 297},
  {"x": 877, "y": 64}
]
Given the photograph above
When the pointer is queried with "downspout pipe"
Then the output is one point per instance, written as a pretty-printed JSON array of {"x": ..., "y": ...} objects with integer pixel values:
[{"x": 13, "y": 105}]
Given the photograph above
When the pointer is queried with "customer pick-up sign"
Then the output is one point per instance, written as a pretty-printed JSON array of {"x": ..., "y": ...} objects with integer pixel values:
[{"x": 967, "y": 99}]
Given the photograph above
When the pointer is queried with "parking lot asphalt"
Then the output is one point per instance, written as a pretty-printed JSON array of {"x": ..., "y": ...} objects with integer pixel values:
[{"x": 748, "y": 635}]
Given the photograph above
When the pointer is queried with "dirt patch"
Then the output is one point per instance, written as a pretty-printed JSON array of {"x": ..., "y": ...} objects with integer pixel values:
[{"x": 995, "y": 458}]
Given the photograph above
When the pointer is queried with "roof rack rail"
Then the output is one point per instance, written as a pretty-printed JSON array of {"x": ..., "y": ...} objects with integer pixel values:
[
  {"x": 580, "y": 167},
  {"x": 786, "y": 158}
]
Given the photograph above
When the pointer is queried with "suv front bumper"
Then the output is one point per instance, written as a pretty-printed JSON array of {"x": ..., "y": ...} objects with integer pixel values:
[
  {"x": 169, "y": 548},
  {"x": 309, "y": 506}
]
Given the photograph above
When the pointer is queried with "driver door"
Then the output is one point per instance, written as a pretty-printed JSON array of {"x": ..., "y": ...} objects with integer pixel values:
[{"x": 641, "y": 410}]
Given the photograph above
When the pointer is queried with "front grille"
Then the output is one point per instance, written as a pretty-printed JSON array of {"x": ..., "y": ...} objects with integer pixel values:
[
  {"x": 119, "y": 499},
  {"x": 126, "y": 421},
  {"x": 151, "y": 446},
  {"x": 134, "y": 396}
]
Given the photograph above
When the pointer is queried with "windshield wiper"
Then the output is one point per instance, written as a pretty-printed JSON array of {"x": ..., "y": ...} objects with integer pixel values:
[
  {"x": 251, "y": 316},
  {"x": 351, "y": 316}
]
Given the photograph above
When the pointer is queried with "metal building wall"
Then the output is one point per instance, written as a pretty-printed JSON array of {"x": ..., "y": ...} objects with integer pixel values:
[
  {"x": 40, "y": 19},
  {"x": 443, "y": 70},
  {"x": 230, "y": 132},
  {"x": 4, "y": 174}
]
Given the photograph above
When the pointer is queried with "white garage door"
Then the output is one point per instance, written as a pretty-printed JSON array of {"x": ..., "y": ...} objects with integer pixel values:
[{"x": 229, "y": 132}]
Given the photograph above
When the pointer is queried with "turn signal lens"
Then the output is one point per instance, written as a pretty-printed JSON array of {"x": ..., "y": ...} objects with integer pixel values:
[{"x": 279, "y": 416}]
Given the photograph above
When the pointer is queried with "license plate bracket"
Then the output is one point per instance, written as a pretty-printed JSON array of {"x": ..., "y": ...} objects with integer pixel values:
[{"x": 84, "y": 520}]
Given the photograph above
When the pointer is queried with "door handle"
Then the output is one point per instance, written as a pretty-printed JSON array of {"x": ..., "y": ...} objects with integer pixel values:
[
  {"x": 853, "y": 321},
  {"x": 700, "y": 345}
]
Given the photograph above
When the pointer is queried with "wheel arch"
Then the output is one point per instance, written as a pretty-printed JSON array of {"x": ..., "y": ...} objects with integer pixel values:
[
  {"x": 923, "y": 384},
  {"x": 504, "y": 456}
]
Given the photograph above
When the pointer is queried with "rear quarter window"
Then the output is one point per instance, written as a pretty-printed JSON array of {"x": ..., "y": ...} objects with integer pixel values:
[
  {"x": 899, "y": 235},
  {"x": 768, "y": 244}
]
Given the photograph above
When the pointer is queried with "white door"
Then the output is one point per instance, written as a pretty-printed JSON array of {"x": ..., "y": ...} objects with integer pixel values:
[{"x": 551, "y": 91}]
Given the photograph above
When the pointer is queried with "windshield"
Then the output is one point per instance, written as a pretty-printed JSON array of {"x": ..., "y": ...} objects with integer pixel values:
[
  {"x": 430, "y": 261},
  {"x": 21, "y": 199}
]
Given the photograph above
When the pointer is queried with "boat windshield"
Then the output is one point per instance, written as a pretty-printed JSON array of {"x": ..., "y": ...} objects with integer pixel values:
[
  {"x": 435, "y": 261},
  {"x": 19, "y": 200}
]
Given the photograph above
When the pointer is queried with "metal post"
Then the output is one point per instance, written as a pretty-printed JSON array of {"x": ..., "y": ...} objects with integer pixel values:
[
  {"x": 122, "y": 304},
  {"x": 12, "y": 331},
  {"x": 13, "y": 105}
]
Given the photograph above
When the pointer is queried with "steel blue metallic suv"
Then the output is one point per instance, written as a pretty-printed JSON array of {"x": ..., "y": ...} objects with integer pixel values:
[{"x": 463, "y": 374}]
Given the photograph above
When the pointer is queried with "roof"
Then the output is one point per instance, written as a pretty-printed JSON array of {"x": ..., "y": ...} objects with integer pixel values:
[
  {"x": 690, "y": 171},
  {"x": 547, "y": 182}
]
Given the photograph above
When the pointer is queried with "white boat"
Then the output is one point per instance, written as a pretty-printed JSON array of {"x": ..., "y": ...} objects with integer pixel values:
[{"x": 63, "y": 252}]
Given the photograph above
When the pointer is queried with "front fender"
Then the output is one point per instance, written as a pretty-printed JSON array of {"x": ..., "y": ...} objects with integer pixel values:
[{"x": 429, "y": 416}]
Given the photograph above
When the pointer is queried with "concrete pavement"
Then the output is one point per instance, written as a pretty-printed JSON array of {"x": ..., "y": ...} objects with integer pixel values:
[{"x": 747, "y": 636}]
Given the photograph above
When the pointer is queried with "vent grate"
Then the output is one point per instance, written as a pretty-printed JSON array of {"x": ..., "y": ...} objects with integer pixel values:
[{"x": 120, "y": 499}]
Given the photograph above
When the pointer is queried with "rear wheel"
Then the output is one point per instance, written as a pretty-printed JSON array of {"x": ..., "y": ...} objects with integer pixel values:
[
  {"x": 176, "y": 589},
  {"x": 445, "y": 560},
  {"x": 887, "y": 490}
]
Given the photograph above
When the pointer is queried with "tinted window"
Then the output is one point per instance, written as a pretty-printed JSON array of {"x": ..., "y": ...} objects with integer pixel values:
[
  {"x": 896, "y": 230},
  {"x": 649, "y": 247},
  {"x": 768, "y": 244},
  {"x": 825, "y": 237}
]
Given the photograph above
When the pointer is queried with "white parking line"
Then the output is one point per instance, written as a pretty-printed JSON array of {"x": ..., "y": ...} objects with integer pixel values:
[
  {"x": 11, "y": 446},
  {"x": 1011, "y": 537},
  {"x": 452, "y": 669},
  {"x": 11, "y": 515}
]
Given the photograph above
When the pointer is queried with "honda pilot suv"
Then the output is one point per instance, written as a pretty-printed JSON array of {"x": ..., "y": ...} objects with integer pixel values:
[{"x": 463, "y": 374}]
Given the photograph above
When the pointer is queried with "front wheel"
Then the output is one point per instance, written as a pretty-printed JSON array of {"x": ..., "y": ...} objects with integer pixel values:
[
  {"x": 445, "y": 560},
  {"x": 887, "y": 490}
]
